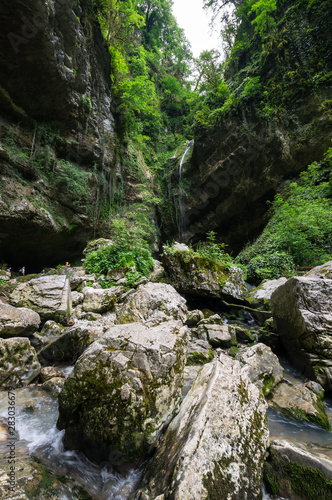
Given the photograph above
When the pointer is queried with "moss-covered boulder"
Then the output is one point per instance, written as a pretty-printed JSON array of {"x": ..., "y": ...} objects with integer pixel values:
[
  {"x": 99, "y": 300},
  {"x": 243, "y": 335},
  {"x": 18, "y": 362},
  {"x": 194, "y": 317},
  {"x": 300, "y": 403},
  {"x": 123, "y": 391},
  {"x": 296, "y": 471},
  {"x": 302, "y": 313},
  {"x": 17, "y": 322},
  {"x": 199, "y": 352},
  {"x": 194, "y": 275},
  {"x": 153, "y": 302},
  {"x": 261, "y": 366},
  {"x": 214, "y": 448},
  {"x": 50, "y": 296}
]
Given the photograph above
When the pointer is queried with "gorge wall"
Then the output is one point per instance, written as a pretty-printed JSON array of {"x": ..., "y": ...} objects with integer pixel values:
[
  {"x": 276, "y": 122},
  {"x": 59, "y": 158}
]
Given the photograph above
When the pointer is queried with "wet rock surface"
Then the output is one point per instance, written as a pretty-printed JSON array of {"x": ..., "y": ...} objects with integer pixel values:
[
  {"x": 299, "y": 402},
  {"x": 295, "y": 471}
]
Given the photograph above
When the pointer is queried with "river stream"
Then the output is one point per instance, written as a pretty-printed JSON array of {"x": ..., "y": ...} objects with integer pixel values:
[{"x": 37, "y": 413}]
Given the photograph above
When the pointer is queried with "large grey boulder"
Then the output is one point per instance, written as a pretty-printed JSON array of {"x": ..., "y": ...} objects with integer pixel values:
[
  {"x": 324, "y": 271},
  {"x": 17, "y": 322},
  {"x": 67, "y": 347},
  {"x": 123, "y": 391},
  {"x": 294, "y": 471},
  {"x": 48, "y": 295},
  {"x": 76, "y": 275},
  {"x": 260, "y": 296},
  {"x": 261, "y": 366},
  {"x": 153, "y": 302},
  {"x": 302, "y": 313},
  {"x": 99, "y": 300},
  {"x": 157, "y": 273},
  {"x": 192, "y": 275},
  {"x": 18, "y": 362},
  {"x": 215, "y": 446},
  {"x": 299, "y": 402},
  {"x": 216, "y": 333}
]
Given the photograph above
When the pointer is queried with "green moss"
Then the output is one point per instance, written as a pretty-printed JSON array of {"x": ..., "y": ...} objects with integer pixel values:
[
  {"x": 268, "y": 384},
  {"x": 218, "y": 483},
  {"x": 243, "y": 392},
  {"x": 199, "y": 358},
  {"x": 81, "y": 494},
  {"x": 42, "y": 483},
  {"x": 319, "y": 419},
  {"x": 233, "y": 351},
  {"x": 304, "y": 481}
]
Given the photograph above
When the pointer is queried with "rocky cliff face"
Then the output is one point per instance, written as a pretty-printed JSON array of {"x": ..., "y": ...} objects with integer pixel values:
[
  {"x": 276, "y": 124},
  {"x": 58, "y": 160},
  {"x": 239, "y": 165}
]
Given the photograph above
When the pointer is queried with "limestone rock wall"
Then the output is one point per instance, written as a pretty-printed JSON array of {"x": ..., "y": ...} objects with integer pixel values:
[{"x": 58, "y": 153}]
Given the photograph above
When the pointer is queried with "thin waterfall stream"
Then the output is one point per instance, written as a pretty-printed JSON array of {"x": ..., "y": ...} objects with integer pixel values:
[{"x": 182, "y": 223}]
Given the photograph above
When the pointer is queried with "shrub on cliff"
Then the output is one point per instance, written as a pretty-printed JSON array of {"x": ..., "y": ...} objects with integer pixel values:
[
  {"x": 270, "y": 266},
  {"x": 127, "y": 251},
  {"x": 301, "y": 225}
]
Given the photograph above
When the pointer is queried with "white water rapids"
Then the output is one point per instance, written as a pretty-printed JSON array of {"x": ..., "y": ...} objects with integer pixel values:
[{"x": 36, "y": 416}]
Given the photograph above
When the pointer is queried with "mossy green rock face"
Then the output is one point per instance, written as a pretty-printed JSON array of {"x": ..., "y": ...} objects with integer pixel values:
[
  {"x": 18, "y": 362},
  {"x": 199, "y": 352},
  {"x": 214, "y": 448},
  {"x": 300, "y": 403},
  {"x": 302, "y": 313},
  {"x": 123, "y": 391},
  {"x": 294, "y": 471},
  {"x": 50, "y": 296},
  {"x": 17, "y": 322},
  {"x": 261, "y": 366},
  {"x": 194, "y": 276}
]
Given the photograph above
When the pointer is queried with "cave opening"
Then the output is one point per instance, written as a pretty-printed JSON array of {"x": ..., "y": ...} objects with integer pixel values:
[{"x": 36, "y": 249}]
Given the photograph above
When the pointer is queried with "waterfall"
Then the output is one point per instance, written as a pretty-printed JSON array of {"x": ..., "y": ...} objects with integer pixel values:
[{"x": 182, "y": 224}]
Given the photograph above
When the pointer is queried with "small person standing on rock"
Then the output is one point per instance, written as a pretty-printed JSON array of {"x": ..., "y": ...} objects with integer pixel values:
[
  {"x": 9, "y": 271},
  {"x": 22, "y": 271}
]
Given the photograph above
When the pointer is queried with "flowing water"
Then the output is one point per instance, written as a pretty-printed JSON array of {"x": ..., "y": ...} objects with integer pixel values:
[
  {"x": 36, "y": 416},
  {"x": 282, "y": 427},
  {"x": 182, "y": 222}
]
